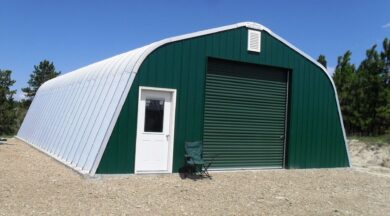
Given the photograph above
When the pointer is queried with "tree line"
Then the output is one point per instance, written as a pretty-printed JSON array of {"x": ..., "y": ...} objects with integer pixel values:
[
  {"x": 364, "y": 90},
  {"x": 12, "y": 111}
]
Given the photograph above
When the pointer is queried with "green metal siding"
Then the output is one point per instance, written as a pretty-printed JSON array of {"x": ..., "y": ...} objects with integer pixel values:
[
  {"x": 244, "y": 119},
  {"x": 315, "y": 137}
]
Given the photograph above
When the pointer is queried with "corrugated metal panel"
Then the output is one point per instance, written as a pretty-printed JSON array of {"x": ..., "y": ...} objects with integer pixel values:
[
  {"x": 72, "y": 116},
  {"x": 182, "y": 65},
  {"x": 244, "y": 117}
]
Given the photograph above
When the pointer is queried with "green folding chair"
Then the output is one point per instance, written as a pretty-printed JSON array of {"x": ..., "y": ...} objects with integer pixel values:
[{"x": 194, "y": 161}]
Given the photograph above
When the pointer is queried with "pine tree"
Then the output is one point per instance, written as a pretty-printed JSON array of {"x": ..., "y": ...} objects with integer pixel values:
[
  {"x": 384, "y": 111},
  {"x": 385, "y": 56},
  {"x": 345, "y": 81},
  {"x": 365, "y": 93},
  {"x": 374, "y": 100},
  {"x": 42, "y": 73},
  {"x": 322, "y": 60},
  {"x": 7, "y": 103}
]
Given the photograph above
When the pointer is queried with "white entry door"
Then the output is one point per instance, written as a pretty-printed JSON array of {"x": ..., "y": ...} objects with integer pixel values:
[{"x": 154, "y": 147}]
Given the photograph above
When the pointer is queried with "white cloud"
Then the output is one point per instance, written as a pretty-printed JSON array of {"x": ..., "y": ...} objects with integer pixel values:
[
  {"x": 387, "y": 25},
  {"x": 330, "y": 70}
]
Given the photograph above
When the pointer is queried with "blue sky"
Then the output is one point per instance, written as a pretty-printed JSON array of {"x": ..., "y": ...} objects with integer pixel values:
[{"x": 76, "y": 33}]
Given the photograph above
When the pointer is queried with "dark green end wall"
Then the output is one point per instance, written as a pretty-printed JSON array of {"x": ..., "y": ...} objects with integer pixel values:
[{"x": 315, "y": 137}]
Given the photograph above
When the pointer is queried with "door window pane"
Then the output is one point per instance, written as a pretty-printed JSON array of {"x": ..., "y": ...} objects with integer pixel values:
[{"x": 154, "y": 115}]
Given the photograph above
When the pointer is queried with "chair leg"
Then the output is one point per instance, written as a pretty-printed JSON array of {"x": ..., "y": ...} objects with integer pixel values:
[{"x": 205, "y": 170}]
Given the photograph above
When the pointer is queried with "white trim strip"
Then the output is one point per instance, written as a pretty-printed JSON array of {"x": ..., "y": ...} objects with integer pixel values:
[{"x": 243, "y": 168}]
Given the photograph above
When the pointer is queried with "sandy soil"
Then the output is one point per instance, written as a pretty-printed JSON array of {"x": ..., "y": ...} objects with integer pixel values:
[
  {"x": 373, "y": 158},
  {"x": 32, "y": 183}
]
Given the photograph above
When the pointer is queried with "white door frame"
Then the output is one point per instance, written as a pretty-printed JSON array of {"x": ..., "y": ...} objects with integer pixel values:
[{"x": 171, "y": 129}]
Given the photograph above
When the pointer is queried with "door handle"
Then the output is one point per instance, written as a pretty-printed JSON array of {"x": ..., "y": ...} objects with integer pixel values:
[
  {"x": 167, "y": 135},
  {"x": 281, "y": 137}
]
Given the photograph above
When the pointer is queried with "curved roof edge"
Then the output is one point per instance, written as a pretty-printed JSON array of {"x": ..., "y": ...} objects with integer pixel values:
[
  {"x": 109, "y": 79},
  {"x": 252, "y": 25}
]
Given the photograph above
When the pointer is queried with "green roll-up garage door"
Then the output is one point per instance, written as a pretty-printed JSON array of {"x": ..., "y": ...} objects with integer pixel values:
[{"x": 245, "y": 112}]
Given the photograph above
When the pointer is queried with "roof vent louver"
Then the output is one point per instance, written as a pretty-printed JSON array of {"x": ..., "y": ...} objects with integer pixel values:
[{"x": 254, "y": 41}]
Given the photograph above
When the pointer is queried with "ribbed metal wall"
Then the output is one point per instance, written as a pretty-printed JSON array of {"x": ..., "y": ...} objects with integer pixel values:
[
  {"x": 244, "y": 117},
  {"x": 315, "y": 135},
  {"x": 70, "y": 115}
]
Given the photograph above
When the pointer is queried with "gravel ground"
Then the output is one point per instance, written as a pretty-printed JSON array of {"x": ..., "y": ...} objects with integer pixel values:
[{"x": 32, "y": 183}]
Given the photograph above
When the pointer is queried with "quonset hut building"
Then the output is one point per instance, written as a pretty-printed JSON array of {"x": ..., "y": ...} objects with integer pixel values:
[{"x": 255, "y": 101}]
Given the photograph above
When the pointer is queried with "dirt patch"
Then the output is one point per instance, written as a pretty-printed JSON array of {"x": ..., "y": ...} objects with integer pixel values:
[
  {"x": 370, "y": 157},
  {"x": 32, "y": 183}
]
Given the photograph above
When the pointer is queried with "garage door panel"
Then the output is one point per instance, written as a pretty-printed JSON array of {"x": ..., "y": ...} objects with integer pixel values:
[
  {"x": 238, "y": 119},
  {"x": 241, "y": 94},
  {"x": 244, "y": 118},
  {"x": 248, "y": 112},
  {"x": 247, "y": 85}
]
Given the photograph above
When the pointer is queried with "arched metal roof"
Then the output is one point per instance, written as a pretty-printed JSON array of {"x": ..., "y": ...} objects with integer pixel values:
[{"x": 72, "y": 116}]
